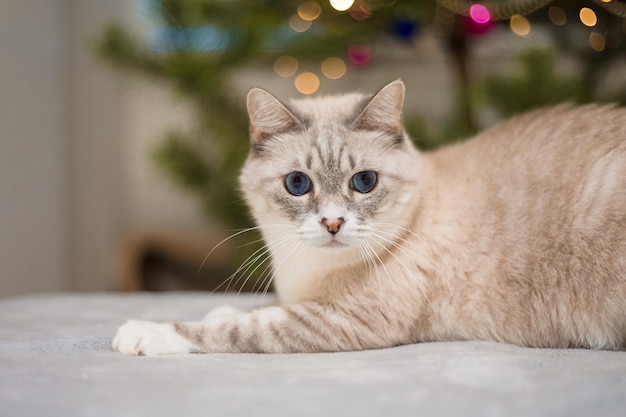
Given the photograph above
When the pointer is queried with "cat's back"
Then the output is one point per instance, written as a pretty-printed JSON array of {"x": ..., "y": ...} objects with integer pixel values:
[
  {"x": 552, "y": 139},
  {"x": 555, "y": 152},
  {"x": 554, "y": 168}
]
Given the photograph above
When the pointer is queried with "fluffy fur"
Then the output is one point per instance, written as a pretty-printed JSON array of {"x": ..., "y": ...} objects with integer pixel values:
[{"x": 516, "y": 236}]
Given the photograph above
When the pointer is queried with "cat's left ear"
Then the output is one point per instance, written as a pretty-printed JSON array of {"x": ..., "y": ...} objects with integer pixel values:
[
  {"x": 384, "y": 110},
  {"x": 268, "y": 116}
]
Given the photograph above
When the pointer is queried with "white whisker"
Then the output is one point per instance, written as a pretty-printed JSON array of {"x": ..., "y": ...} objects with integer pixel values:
[
  {"x": 268, "y": 270},
  {"x": 430, "y": 263},
  {"x": 266, "y": 255},
  {"x": 240, "y": 232},
  {"x": 270, "y": 277},
  {"x": 410, "y": 273},
  {"x": 248, "y": 262},
  {"x": 368, "y": 254}
]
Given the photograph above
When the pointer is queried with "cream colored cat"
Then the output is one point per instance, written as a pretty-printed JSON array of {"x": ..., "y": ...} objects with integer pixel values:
[{"x": 516, "y": 236}]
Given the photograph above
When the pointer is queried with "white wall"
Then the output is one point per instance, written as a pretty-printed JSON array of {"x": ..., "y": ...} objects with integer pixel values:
[
  {"x": 115, "y": 120},
  {"x": 75, "y": 177},
  {"x": 34, "y": 252},
  {"x": 95, "y": 118}
]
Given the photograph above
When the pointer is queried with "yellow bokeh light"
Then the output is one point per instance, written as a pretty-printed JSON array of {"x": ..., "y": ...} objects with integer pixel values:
[
  {"x": 588, "y": 17},
  {"x": 309, "y": 10},
  {"x": 341, "y": 5},
  {"x": 307, "y": 83},
  {"x": 520, "y": 25},
  {"x": 557, "y": 16},
  {"x": 333, "y": 68},
  {"x": 285, "y": 66},
  {"x": 298, "y": 24},
  {"x": 597, "y": 42}
]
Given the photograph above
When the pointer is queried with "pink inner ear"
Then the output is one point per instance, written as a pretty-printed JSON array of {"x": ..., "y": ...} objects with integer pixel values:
[{"x": 384, "y": 111}]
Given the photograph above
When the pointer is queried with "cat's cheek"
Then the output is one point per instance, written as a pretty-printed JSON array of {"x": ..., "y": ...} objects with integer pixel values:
[
  {"x": 405, "y": 198},
  {"x": 387, "y": 206},
  {"x": 396, "y": 204},
  {"x": 259, "y": 206}
]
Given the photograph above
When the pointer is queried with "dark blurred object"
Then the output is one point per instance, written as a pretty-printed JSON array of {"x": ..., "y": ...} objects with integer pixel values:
[
  {"x": 163, "y": 271},
  {"x": 180, "y": 263}
]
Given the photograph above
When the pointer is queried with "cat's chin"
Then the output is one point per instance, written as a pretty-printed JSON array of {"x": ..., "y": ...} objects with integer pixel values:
[
  {"x": 335, "y": 244},
  {"x": 328, "y": 244}
]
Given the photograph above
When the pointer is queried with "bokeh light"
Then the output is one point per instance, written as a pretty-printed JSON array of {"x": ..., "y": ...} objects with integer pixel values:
[
  {"x": 597, "y": 42},
  {"x": 333, "y": 68},
  {"x": 520, "y": 25},
  {"x": 557, "y": 15},
  {"x": 307, "y": 83},
  {"x": 309, "y": 10},
  {"x": 298, "y": 24},
  {"x": 341, "y": 5},
  {"x": 588, "y": 17},
  {"x": 359, "y": 54},
  {"x": 362, "y": 12},
  {"x": 285, "y": 65},
  {"x": 479, "y": 13}
]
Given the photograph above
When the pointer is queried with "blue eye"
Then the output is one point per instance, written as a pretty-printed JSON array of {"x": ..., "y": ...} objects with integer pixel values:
[
  {"x": 298, "y": 183},
  {"x": 363, "y": 181}
]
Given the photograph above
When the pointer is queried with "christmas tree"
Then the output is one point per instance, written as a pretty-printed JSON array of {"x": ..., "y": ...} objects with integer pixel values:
[{"x": 195, "y": 45}]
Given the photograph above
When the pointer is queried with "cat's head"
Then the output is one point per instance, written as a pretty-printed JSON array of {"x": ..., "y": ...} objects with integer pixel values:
[{"x": 335, "y": 172}]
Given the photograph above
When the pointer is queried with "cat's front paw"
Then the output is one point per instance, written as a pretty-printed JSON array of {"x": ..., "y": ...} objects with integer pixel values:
[{"x": 141, "y": 338}]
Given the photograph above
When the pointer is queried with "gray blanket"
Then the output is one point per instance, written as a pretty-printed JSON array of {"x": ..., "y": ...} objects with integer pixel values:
[{"x": 55, "y": 360}]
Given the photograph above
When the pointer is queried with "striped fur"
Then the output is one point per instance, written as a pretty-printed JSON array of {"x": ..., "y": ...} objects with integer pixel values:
[{"x": 516, "y": 236}]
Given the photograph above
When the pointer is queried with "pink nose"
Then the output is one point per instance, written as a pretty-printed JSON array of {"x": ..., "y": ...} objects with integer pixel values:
[{"x": 333, "y": 225}]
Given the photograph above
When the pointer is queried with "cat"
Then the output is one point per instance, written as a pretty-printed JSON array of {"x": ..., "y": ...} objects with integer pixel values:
[{"x": 516, "y": 236}]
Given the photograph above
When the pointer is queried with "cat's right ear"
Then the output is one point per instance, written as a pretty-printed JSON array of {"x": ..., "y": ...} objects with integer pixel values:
[{"x": 268, "y": 116}]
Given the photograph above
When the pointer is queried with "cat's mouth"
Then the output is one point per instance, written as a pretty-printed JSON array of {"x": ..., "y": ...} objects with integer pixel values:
[
  {"x": 334, "y": 243},
  {"x": 322, "y": 239},
  {"x": 330, "y": 243}
]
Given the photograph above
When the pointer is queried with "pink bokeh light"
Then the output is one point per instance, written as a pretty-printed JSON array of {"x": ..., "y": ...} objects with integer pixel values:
[
  {"x": 359, "y": 54},
  {"x": 479, "y": 13}
]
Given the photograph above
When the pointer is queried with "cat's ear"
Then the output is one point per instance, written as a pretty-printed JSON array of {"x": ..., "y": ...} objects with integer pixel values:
[
  {"x": 268, "y": 116},
  {"x": 384, "y": 110}
]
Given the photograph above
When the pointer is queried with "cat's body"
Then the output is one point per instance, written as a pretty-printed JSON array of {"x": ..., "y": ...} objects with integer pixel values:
[{"x": 517, "y": 236}]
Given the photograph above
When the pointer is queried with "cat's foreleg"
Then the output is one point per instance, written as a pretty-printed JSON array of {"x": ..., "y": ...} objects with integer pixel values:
[
  {"x": 138, "y": 337},
  {"x": 307, "y": 327}
]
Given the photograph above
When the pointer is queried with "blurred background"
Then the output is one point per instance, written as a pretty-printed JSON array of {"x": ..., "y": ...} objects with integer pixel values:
[{"x": 123, "y": 122}]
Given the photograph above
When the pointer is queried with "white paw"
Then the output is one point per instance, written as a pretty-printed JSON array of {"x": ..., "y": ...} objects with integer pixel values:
[
  {"x": 222, "y": 311},
  {"x": 147, "y": 338}
]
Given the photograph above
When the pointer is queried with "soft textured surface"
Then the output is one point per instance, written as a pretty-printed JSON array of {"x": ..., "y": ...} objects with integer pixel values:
[{"x": 55, "y": 360}]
